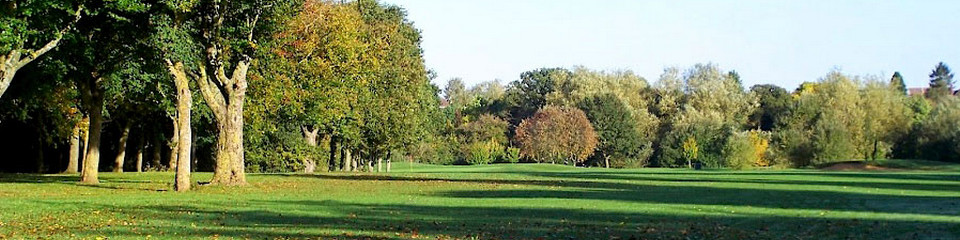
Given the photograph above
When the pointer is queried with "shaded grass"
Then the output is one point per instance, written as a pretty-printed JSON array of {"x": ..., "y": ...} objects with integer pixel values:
[{"x": 519, "y": 201}]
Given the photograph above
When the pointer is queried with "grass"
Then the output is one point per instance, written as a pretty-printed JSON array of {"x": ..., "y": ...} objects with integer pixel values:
[{"x": 519, "y": 201}]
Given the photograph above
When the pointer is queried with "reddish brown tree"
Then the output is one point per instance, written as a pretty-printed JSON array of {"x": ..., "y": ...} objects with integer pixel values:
[{"x": 557, "y": 134}]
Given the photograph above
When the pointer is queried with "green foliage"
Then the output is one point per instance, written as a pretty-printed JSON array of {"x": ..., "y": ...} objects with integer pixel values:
[
  {"x": 941, "y": 82},
  {"x": 774, "y": 103},
  {"x": 511, "y": 155},
  {"x": 897, "y": 84},
  {"x": 740, "y": 152},
  {"x": 939, "y": 133},
  {"x": 620, "y": 141},
  {"x": 484, "y": 152}
]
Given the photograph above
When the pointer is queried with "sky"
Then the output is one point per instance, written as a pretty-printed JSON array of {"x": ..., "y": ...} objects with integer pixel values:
[{"x": 766, "y": 41}]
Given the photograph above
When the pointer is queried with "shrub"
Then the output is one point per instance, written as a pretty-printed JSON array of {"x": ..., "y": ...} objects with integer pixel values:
[
  {"x": 484, "y": 152},
  {"x": 511, "y": 155},
  {"x": 745, "y": 150}
]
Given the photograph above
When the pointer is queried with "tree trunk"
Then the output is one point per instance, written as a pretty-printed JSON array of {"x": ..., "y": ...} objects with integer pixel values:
[
  {"x": 225, "y": 96},
  {"x": 379, "y": 164},
  {"x": 85, "y": 140},
  {"x": 310, "y": 136},
  {"x": 388, "y": 164},
  {"x": 174, "y": 144},
  {"x": 73, "y": 161},
  {"x": 183, "y": 134},
  {"x": 122, "y": 148},
  {"x": 606, "y": 161},
  {"x": 40, "y": 163},
  {"x": 94, "y": 102},
  {"x": 344, "y": 160},
  {"x": 353, "y": 163},
  {"x": 157, "y": 153},
  {"x": 333, "y": 155},
  {"x": 139, "y": 154}
]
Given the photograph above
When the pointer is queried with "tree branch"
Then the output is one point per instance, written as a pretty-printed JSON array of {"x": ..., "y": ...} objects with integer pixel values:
[
  {"x": 212, "y": 95},
  {"x": 32, "y": 55}
]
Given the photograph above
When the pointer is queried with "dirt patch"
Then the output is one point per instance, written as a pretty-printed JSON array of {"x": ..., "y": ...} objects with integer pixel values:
[{"x": 853, "y": 166}]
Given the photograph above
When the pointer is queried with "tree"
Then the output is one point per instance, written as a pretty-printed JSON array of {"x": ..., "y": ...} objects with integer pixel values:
[
  {"x": 826, "y": 122},
  {"x": 527, "y": 95},
  {"x": 619, "y": 141},
  {"x": 887, "y": 118},
  {"x": 23, "y": 24},
  {"x": 97, "y": 56},
  {"x": 941, "y": 82},
  {"x": 229, "y": 32},
  {"x": 316, "y": 75},
  {"x": 897, "y": 84},
  {"x": 774, "y": 103},
  {"x": 557, "y": 134},
  {"x": 939, "y": 134}
]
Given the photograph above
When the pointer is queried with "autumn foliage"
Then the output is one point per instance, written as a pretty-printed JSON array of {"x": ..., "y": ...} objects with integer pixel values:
[{"x": 557, "y": 134}]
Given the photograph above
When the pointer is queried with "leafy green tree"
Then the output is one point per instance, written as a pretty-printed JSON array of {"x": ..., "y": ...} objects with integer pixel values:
[
  {"x": 30, "y": 29},
  {"x": 939, "y": 134},
  {"x": 897, "y": 84},
  {"x": 941, "y": 82},
  {"x": 529, "y": 94},
  {"x": 98, "y": 58},
  {"x": 557, "y": 134},
  {"x": 888, "y": 118},
  {"x": 774, "y": 104},
  {"x": 826, "y": 123},
  {"x": 619, "y": 141}
]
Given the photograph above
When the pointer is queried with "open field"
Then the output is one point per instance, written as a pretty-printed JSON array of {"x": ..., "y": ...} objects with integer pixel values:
[{"x": 496, "y": 201}]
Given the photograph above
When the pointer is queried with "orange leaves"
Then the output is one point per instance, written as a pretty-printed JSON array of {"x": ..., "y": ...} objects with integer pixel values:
[{"x": 557, "y": 133}]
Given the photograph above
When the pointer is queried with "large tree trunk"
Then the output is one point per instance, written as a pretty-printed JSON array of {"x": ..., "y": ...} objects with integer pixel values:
[
  {"x": 310, "y": 136},
  {"x": 225, "y": 96},
  {"x": 184, "y": 134},
  {"x": 333, "y": 166},
  {"x": 352, "y": 163},
  {"x": 94, "y": 100},
  {"x": 11, "y": 62},
  {"x": 139, "y": 156},
  {"x": 157, "y": 153},
  {"x": 73, "y": 161},
  {"x": 122, "y": 148}
]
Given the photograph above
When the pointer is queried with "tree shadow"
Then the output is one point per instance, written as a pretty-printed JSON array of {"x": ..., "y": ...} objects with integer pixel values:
[
  {"x": 647, "y": 192},
  {"x": 861, "y": 182},
  {"x": 36, "y": 178},
  {"x": 329, "y": 219}
]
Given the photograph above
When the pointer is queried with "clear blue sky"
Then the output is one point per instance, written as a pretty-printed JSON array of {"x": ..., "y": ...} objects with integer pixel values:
[{"x": 766, "y": 41}]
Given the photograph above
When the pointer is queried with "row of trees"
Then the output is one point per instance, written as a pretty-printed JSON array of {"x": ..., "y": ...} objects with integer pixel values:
[
  {"x": 701, "y": 115},
  {"x": 341, "y": 86},
  {"x": 276, "y": 79}
]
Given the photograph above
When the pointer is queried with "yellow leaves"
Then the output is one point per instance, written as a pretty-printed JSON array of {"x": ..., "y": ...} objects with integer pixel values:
[{"x": 761, "y": 144}]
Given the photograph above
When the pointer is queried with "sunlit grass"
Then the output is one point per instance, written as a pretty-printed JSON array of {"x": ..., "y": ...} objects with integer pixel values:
[{"x": 495, "y": 201}]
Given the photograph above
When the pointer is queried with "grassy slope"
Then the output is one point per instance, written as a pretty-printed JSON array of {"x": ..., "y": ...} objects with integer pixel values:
[{"x": 497, "y": 201}]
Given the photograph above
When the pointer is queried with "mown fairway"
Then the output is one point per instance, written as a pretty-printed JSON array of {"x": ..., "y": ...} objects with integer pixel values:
[{"x": 496, "y": 201}]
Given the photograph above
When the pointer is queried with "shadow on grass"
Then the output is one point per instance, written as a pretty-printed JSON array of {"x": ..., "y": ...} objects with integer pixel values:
[
  {"x": 644, "y": 192},
  {"x": 342, "y": 220}
]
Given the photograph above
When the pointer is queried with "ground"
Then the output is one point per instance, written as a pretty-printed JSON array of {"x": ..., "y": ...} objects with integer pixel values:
[{"x": 503, "y": 201}]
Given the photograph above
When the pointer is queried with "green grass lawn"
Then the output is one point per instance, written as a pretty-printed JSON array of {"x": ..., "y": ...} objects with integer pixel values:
[{"x": 519, "y": 201}]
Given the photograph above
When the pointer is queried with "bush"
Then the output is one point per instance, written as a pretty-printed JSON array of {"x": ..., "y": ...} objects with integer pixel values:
[
  {"x": 745, "y": 150},
  {"x": 511, "y": 155},
  {"x": 484, "y": 152}
]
